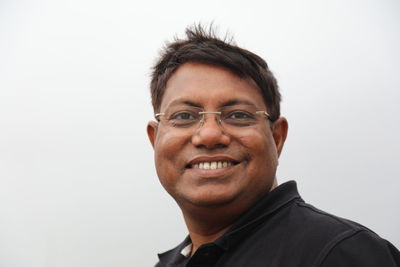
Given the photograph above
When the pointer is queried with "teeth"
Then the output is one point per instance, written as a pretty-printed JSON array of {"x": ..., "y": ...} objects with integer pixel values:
[
  {"x": 212, "y": 165},
  {"x": 206, "y": 165}
]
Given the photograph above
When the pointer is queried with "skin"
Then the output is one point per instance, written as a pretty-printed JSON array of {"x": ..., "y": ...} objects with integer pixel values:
[{"x": 211, "y": 200}]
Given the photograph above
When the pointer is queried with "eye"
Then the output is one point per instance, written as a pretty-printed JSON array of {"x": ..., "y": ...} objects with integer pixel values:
[
  {"x": 184, "y": 116},
  {"x": 239, "y": 118},
  {"x": 239, "y": 115}
]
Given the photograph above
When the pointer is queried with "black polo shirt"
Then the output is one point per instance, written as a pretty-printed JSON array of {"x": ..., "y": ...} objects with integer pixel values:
[{"x": 281, "y": 230}]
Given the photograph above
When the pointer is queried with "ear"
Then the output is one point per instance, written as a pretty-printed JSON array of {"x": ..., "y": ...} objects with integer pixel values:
[
  {"x": 279, "y": 132},
  {"x": 152, "y": 131}
]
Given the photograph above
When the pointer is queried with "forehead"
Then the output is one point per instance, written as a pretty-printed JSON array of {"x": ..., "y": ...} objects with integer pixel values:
[{"x": 209, "y": 87}]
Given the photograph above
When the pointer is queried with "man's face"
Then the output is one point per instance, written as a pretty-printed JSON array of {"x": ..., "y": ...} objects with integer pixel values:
[{"x": 250, "y": 152}]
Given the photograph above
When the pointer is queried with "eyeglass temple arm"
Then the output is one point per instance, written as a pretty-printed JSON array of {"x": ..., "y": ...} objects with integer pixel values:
[
  {"x": 157, "y": 115},
  {"x": 263, "y": 112}
]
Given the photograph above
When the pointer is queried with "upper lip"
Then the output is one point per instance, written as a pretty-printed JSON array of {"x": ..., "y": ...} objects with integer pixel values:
[{"x": 208, "y": 158}]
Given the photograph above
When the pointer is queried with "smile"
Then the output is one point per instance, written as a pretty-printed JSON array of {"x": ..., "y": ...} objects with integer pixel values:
[{"x": 212, "y": 165}]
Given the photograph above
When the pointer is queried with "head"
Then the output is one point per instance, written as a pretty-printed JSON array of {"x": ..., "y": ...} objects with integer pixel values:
[
  {"x": 205, "y": 47},
  {"x": 205, "y": 73}
]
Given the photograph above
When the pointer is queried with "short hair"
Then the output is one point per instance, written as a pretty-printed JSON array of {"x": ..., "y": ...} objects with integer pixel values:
[{"x": 202, "y": 46}]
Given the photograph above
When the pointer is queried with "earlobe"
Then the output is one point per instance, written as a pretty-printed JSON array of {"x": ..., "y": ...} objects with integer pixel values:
[
  {"x": 280, "y": 130},
  {"x": 152, "y": 131}
]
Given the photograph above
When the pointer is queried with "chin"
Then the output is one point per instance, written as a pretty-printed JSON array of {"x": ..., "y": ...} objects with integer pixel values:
[{"x": 208, "y": 199}]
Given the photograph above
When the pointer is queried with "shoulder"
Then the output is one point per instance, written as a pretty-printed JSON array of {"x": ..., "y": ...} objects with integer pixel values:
[
  {"x": 316, "y": 226},
  {"x": 343, "y": 242},
  {"x": 363, "y": 248},
  {"x": 324, "y": 221}
]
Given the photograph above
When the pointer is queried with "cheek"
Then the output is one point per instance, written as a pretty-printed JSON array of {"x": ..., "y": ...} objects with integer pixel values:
[
  {"x": 260, "y": 146},
  {"x": 168, "y": 155},
  {"x": 167, "y": 145}
]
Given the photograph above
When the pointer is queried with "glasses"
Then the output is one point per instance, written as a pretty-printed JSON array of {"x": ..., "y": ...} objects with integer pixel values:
[{"x": 228, "y": 117}]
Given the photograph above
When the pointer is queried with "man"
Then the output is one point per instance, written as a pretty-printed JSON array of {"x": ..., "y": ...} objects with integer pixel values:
[{"x": 217, "y": 140}]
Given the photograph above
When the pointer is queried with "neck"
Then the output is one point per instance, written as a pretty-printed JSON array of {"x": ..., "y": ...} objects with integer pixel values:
[{"x": 207, "y": 224}]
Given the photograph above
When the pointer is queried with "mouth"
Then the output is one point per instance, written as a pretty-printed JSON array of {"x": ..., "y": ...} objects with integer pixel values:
[{"x": 211, "y": 164}]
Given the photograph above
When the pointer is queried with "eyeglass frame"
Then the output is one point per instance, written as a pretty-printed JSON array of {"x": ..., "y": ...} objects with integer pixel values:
[{"x": 219, "y": 120}]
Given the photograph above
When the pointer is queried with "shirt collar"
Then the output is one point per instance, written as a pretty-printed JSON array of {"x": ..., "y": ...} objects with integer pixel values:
[{"x": 264, "y": 208}]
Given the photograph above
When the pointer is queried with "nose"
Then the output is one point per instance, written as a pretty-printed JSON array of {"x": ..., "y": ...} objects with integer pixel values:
[{"x": 210, "y": 133}]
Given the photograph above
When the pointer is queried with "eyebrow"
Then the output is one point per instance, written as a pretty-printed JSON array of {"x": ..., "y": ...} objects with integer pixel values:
[
  {"x": 181, "y": 101},
  {"x": 237, "y": 101},
  {"x": 231, "y": 102}
]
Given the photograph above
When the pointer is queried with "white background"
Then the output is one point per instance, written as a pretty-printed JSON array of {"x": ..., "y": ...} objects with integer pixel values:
[{"x": 77, "y": 180}]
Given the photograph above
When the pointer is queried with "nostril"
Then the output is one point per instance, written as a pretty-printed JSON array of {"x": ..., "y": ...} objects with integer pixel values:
[
  {"x": 214, "y": 146},
  {"x": 210, "y": 135}
]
